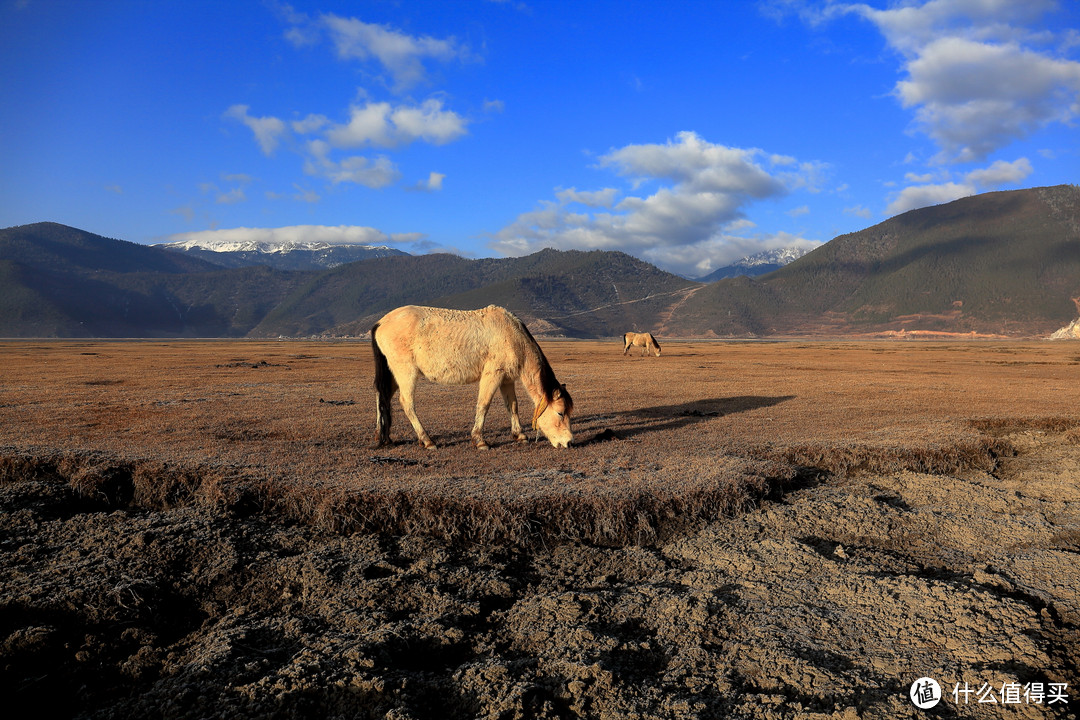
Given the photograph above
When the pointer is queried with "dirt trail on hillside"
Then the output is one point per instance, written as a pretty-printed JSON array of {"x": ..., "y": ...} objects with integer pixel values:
[
  {"x": 664, "y": 318},
  {"x": 827, "y": 603}
]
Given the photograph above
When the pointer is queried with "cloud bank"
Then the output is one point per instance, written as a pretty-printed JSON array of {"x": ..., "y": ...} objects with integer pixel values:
[{"x": 690, "y": 224}]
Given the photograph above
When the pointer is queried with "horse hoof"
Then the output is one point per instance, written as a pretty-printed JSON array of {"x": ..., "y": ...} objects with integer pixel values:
[{"x": 482, "y": 446}]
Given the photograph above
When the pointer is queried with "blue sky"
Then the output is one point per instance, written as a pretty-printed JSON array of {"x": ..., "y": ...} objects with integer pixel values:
[{"x": 688, "y": 134}]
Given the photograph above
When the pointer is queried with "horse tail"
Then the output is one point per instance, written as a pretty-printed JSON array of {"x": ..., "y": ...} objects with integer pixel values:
[{"x": 384, "y": 391}]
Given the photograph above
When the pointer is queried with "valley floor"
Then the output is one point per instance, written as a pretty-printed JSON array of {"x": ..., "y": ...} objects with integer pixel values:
[{"x": 893, "y": 511}]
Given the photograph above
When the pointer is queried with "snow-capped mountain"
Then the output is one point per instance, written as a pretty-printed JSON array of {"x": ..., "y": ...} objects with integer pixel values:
[
  {"x": 263, "y": 246},
  {"x": 781, "y": 257},
  {"x": 758, "y": 263},
  {"x": 282, "y": 255}
]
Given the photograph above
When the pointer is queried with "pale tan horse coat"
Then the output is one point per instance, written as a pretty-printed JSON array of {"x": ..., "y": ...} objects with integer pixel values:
[
  {"x": 644, "y": 340},
  {"x": 490, "y": 346}
]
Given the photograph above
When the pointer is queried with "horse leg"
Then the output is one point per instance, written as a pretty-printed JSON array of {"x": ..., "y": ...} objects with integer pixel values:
[
  {"x": 489, "y": 385},
  {"x": 626, "y": 347},
  {"x": 406, "y": 387},
  {"x": 510, "y": 398}
]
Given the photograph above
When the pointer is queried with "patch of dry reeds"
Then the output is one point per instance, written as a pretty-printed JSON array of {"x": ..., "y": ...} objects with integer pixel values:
[
  {"x": 980, "y": 453},
  {"x": 526, "y": 508},
  {"x": 1005, "y": 425}
]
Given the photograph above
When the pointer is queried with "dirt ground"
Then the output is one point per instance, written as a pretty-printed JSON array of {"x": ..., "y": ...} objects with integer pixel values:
[{"x": 748, "y": 530}]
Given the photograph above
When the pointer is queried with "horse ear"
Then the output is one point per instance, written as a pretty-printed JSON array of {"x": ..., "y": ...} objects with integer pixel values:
[{"x": 557, "y": 393}]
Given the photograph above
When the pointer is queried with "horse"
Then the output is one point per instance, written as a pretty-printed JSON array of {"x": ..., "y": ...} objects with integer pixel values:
[
  {"x": 644, "y": 340},
  {"x": 490, "y": 346}
]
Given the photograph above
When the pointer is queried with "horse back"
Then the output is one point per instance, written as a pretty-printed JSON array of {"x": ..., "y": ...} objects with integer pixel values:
[{"x": 451, "y": 346}]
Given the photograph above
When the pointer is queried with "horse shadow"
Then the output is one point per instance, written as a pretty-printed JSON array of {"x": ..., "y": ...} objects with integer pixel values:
[{"x": 640, "y": 421}]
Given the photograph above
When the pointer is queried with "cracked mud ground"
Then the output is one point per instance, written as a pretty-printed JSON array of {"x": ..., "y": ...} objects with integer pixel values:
[{"x": 826, "y": 601}]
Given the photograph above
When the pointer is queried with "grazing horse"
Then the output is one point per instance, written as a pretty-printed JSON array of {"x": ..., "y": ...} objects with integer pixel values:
[
  {"x": 458, "y": 347},
  {"x": 644, "y": 340}
]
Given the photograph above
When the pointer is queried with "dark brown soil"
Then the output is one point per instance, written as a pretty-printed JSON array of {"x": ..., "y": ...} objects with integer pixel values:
[{"x": 750, "y": 530}]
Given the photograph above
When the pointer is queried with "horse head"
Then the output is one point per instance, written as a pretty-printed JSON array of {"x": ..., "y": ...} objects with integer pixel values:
[{"x": 552, "y": 417}]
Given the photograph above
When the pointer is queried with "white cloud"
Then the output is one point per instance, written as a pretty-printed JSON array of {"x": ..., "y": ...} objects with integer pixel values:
[
  {"x": 978, "y": 78},
  {"x": 1001, "y": 173},
  {"x": 428, "y": 122},
  {"x": 401, "y": 56},
  {"x": 973, "y": 98},
  {"x": 989, "y": 178},
  {"x": 674, "y": 217},
  {"x": 910, "y": 26},
  {"x": 185, "y": 211},
  {"x": 377, "y": 173},
  {"x": 433, "y": 183},
  {"x": 305, "y": 195},
  {"x": 686, "y": 225},
  {"x": 372, "y": 125},
  {"x": 329, "y": 234},
  {"x": 403, "y": 60},
  {"x": 268, "y": 130},
  {"x": 918, "y": 196},
  {"x": 915, "y": 178},
  {"x": 231, "y": 197},
  {"x": 311, "y": 124},
  {"x": 698, "y": 165},
  {"x": 597, "y": 198},
  {"x": 383, "y": 125},
  {"x": 722, "y": 250}
]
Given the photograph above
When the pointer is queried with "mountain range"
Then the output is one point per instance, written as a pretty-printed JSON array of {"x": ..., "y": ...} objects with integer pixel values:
[
  {"x": 1005, "y": 263},
  {"x": 314, "y": 255},
  {"x": 760, "y": 263},
  {"x": 1001, "y": 263}
]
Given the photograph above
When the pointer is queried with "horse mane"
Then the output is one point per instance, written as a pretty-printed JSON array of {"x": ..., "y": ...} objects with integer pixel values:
[
  {"x": 548, "y": 382},
  {"x": 654, "y": 341}
]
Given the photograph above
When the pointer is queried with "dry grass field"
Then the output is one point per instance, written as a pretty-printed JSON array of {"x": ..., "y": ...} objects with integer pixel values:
[{"x": 744, "y": 529}]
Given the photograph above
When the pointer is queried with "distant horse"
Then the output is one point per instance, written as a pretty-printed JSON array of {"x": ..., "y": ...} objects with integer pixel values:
[
  {"x": 645, "y": 341},
  {"x": 458, "y": 347}
]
